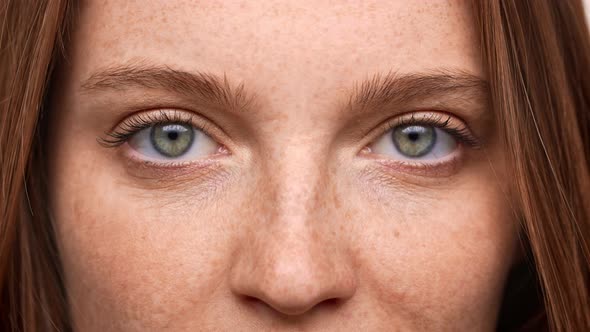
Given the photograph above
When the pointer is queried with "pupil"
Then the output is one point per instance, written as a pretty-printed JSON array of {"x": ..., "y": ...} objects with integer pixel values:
[
  {"x": 414, "y": 141},
  {"x": 173, "y": 135},
  {"x": 414, "y": 136},
  {"x": 172, "y": 140}
]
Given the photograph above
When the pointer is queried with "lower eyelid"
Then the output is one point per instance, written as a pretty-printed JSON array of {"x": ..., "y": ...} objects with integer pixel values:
[
  {"x": 140, "y": 160},
  {"x": 442, "y": 167},
  {"x": 204, "y": 178},
  {"x": 438, "y": 168}
]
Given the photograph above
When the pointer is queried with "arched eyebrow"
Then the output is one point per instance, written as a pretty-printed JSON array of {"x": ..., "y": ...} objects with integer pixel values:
[
  {"x": 206, "y": 87},
  {"x": 401, "y": 89},
  {"x": 380, "y": 90}
]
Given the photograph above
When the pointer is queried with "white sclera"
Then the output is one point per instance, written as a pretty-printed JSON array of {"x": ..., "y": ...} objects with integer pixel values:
[
  {"x": 202, "y": 145},
  {"x": 444, "y": 145}
]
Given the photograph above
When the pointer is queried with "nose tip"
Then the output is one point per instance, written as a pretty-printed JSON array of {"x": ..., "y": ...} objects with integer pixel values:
[
  {"x": 296, "y": 285},
  {"x": 292, "y": 256},
  {"x": 297, "y": 292}
]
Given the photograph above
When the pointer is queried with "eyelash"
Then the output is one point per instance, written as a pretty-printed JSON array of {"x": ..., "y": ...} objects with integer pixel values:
[
  {"x": 135, "y": 124},
  {"x": 458, "y": 131}
]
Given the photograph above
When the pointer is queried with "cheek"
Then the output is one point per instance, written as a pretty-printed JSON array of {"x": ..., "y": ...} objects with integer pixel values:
[
  {"x": 430, "y": 257},
  {"x": 145, "y": 261},
  {"x": 441, "y": 253}
]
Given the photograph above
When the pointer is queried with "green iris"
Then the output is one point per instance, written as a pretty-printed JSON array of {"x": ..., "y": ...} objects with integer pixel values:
[
  {"x": 414, "y": 141},
  {"x": 172, "y": 140}
]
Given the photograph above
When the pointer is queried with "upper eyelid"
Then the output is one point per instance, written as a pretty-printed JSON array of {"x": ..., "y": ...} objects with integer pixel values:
[
  {"x": 162, "y": 116},
  {"x": 438, "y": 119},
  {"x": 144, "y": 119},
  {"x": 431, "y": 118}
]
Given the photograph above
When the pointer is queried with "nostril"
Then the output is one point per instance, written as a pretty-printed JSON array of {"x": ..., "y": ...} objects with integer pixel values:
[
  {"x": 285, "y": 305},
  {"x": 328, "y": 304},
  {"x": 292, "y": 296},
  {"x": 292, "y": 276}
]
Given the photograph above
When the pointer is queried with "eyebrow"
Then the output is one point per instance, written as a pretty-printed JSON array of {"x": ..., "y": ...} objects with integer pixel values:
[
  {"x": 400, "y": 89},
  {"x": 204, "y": 86},
  {"x": 379, "y": 90}
]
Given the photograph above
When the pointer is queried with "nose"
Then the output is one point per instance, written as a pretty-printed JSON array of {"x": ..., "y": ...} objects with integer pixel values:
[
  {"x": 293, "y": 258},
  {"x": 292, "y": 272}
]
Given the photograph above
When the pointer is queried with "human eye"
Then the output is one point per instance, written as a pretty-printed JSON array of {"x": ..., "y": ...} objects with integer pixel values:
[
  {"x": 164, "y": 137},
  {"x": 421, "y": 139}
]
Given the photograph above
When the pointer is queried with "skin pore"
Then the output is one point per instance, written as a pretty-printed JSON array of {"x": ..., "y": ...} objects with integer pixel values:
[{"x": 293, "y": 209}]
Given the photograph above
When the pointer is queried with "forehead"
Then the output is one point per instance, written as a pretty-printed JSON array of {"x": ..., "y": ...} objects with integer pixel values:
[{"x": 303, "y": 43}]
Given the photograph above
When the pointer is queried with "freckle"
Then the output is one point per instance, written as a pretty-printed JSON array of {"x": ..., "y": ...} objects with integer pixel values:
[
  {"x": 337, "y": 203},
  {"x": 396, "y": 234},
  {"x": 347, "y": 215}
]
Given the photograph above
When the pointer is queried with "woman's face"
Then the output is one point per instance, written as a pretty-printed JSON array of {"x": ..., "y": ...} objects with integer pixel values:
[{"x": 278, "y": 165}]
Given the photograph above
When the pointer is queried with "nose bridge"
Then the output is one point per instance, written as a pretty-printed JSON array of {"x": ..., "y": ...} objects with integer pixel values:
[
  {"x": 299, "y": 182},
  {"x": 300, "y": 220},
  {"x": 293, "y": 260}
]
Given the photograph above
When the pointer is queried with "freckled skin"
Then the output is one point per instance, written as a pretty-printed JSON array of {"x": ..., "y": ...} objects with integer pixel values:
[{"x": 292, "y": 231}]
